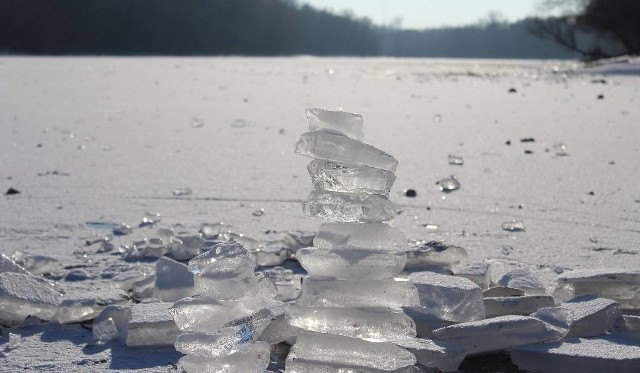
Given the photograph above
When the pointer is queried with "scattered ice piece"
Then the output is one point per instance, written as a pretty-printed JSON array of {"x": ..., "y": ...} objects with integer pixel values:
[
  {"x": 437, "y": 118},
  {"x": 150, "y": 324},
  {"x": 218, "y": 344},
  {"x": 224, "y": 260},
  {"x": 173, "y": 280},
  {"x": 105, "y": 330},
  {"x": 524, "y": 305},
  {"x": 258, "y": 212},
  {"x": 372, "y": 324},
  {"x": 584, "y": 316},
  {"x": 83, "y": 306},
  {"x": 351, "y": 263},
  {"x": 478, "y": 272},
  {"x": 15, "y": 341},
  {"x": 9, "y": 265},
  {"x": 498, "y": 333},
  {"x": 212, "y": 230},
  {"x": 620, "y": 285},
  {"x": 280, "y": 330},
  {"x": 125, "y": 280},
  {"x": 143, "y": 288},
  {"x": 253, "y": 359},
  {"x": 197, "y": 122},
  {"x": 434, "y": 255},
  {"x": 36, "y": 264},
  {"x": 501, "y": 291},
  {"x": 560, "y": 149},
  {"x": 298, "y": 239},
  {"x": 425, "y": 321},
  {"x": 349, "y": 207},
  {"x": 341, "y": 122},
  {"x": 524, "y": 280},
  {"x": 271, "y": 253},
  {"x": 114, "y": 316},
  {"x": 341, "y": 149},
  {"x": 444, "y": 356},
  {"x": 344, "y": 352},
  {"x": 513, "y": 226},
  {"x": 288, "y": 284},
  {"x": 186, "y": 247},
  {"x": 449, "y": 297},
  {"x": 358, "y": 293},
  {"x": 98, "y": 238},
  {"x": 22, "y": 295},
  {"x": 122, "y": 229},
  {"x": 448, "y": 184},
  {"x": 612, "y": 353},
  {"x": 337, "y": 177},
  {"x": 182, "y": 191},
  {"x": 455, "y": 160},
  {"x": 369, "y": 236},
  {"x": 150, "y": 218}
]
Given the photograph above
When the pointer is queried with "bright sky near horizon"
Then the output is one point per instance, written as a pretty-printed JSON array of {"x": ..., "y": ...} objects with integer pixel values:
[{"x": 419, "y": 14}]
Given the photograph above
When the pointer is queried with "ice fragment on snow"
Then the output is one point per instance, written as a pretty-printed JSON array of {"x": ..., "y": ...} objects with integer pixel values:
[
  {"x": 150, "y": 218},
  {"x": 501, "y": 291},
  {"x": 524, "y": 305},
  {"x": 105, "y": 330},
  {"x": 255, "y": 358},
  {"x": 349, "y": 207},
  {"x": 342, "y": 149},
  {"x": 111, "y": 317},
  {"x": 498, "y": 333},
  {"x": 444, "y": 356},
  {"x": 15, "y": 341},
  {"x": 448, "y": 184},
  {"x": 173, "y": 280},
  {"x": 449, "y": 297},
  {"x": 478, "y": 272},
  {"x": 342, "y": 122},
  {"x": 287, "y": 283},
  {"x": 224, "y": 260},
  {"x": 9, "y": 265},
  {"x": 150, "y": 324},
  {"x": 83, "y": 306},
  {"x": 434, "y": 255},
  {"x": 524, "y": 280},
  {"x": 351, "y": 263},
  {"x": 513, "y": 226},
  {"x": 186, "y": 247},
  {"x": 36, "y": 264},
  {"x": 337, "y": 177},
  {"x": 122, "y": 229},
  {"x": 22, "y": 295},
  {"x": 371, "y": 236},
  {"x": 620, "y": 285},
  {"x": 455, "y": 160}
]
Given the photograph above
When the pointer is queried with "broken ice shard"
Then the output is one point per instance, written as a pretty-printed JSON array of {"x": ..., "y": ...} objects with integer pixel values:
[
  {"x": 373, "y": 324},
  {"x": 524, "y": 280},
  {"x": 478, "y": 272},
  {"x": 341, "y": 352},
  {"x": 150, "y": 218},
  {"x": 618, "y": 353},
  {"x": 83, "y": 306},
  {"x": 22, "y": 295},
  {"x": 36, "y": 264},
  {"x": 498, "y": 333},
  {"x": 358, "y": 293},
  {"x": 372, "y": 236},
  {"x": 150, "y": 324},
  {"x": 351, "y": 263},
  {"x": 342, "y": 149},
  {"x": 184, "y": 247},
  {"x": 444, "y": 356},
  {"x": 448, "y": 184},
  {"x": 435, "y": 256},
  {"x": 584, "y": 316},
  {"x": 224, "y": 260},
  {"x": 287, "y": 283},
  {"x": 342, "y": 122},
  {"x": 513, "y": 226},
  {"x": 349, "y": 207},
  {"x": 173, "y": 280},
  {"x": 111, "y": 323},
  {"x": 219, "y": 344},
  {"x": 524, "y": 305},
  {"x": 455, "y": 160},
  {"x": 620, "y": 285},
  {"x": 255, "y": 358},
  {"x": 105, "y": 330},
  {"x": 339, "y": 177},
  {"x": 448, "y": 297},
  {"x": 9, "y": 265}
]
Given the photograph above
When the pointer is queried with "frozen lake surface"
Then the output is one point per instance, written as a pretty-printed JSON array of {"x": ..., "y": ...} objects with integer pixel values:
[{"x": 104, "y": 140}]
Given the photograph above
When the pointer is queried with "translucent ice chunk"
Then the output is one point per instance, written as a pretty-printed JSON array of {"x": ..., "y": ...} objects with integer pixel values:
[
  {"x": 444, "y": 356},
  {"x": 455, "y": 160},
  {"x": 105, "y": 330},
  {"x": 448, "y": 184},
  {"x": 513, "y": 226},
  {"x": 525, "y": 305},
  {"x": 370, "y": 236},
  {"x": 342, "y": 122},
  {"x": 434, "y": 255},
  {"x": 502, "y": 291},
  {"x": 253, "y": 359},
  {"x": 173, "y": 280},
  {"x": 22, "y": 295},
  {"x": 36, "y": 264},
  {"x": 271, "y": 253},
  {"x": 619, "y": 285},
  {"x": 9, "y": 265},
  {"x": 584, "y": 316},
  {"x": 235, "y": 287},
  {"x": 344, "y": 352},
  {"x": 339, "y": 177},
  {"x": 449, "y": 297},
  {"x": 150, "y": 324},
  {"x": 111, "y": 317},
  {"x": 186, "y": 247},
  {"x": 218, "y": 345},
  {"x": 225, "y": 260},
  {"x": 612, "y": 353},
  {"x": 351, "y": 263},
  {"x": 150, "y": 218},
  {"x": 15, "y": 341},
  {"x": 287, "y": 283},
  {"x": 349, "y": 207},
  {"x": 82, "y": 306},
  {"x": 524, "y": 280},
  {"x": 342, "y": 149},
  {"x": 373, "y": 324},
  {"x": 498, "y": 333},
  {"x": 478, "y": 272},
  {"x": 358, "y": 293},
  {"x": 425, "y": 321}
]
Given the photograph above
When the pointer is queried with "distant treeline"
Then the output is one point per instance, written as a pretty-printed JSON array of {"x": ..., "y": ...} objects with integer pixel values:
[{"x": 240, "y": 27}]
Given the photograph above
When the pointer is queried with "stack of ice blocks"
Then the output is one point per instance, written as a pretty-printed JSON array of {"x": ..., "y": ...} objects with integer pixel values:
[
  {"x": 221, "y": 324},
  {"x": 350, "y": 308}
]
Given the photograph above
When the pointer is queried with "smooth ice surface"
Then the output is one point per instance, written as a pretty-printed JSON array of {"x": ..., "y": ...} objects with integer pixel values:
[
  {"x": 449, "y": 297},
  {"x": 433, "y": 255},
  {"x": 620, "y": 285},
  {"x": 111, "y": 317},
  {"x": 224, "y": 260},
  {"x": 351, "y": 263},
  {"x": 105, "y": 330},
  {"x": 518, "y": 305},
  {"x": 498, "y": 333},
  {"x": 22, "y": 295},
  {"x": 150, "y": 324},
  {"x": 345, "y": 352},
  {"x": 617, "y": 353},
  {"x": 444, "y": 356},
  {"x": 173, "y": 280},
  {"x": 524, "y": 280},
  {"x": 358, "y": 293},
  {"x": 235, "y": 288},
  {"x": 372, "y": 236},
  {"x": 425, "y": 321},
  {"x": 478, "y": 272},
  {"x": 77, "y": 307},
  {"x": 374, "y": 324},
  {"x": 584, "y": 316},
  {"x": 218, "y": 344},
  {"x": 341, "y": 149},
  {"x": 255, "y": 358},
  {"x": 341, "y": 122},
  {"x": 339, "y": 177},
  {"x": 349, "y": 207}
]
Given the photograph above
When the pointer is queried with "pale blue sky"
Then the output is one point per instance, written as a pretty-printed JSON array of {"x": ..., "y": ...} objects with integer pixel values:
[{"x": 429, "y": 13}]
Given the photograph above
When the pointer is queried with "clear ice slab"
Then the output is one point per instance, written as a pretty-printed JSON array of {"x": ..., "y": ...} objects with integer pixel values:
[
  {"x": 349, "y": 207},
  {"x": 371, "y": 236},
  {"x": 337, "y": 177},
  {"x": 330, "y": 292},
  {"x": 222, "y": 343},
  {"x": 373, "y": 324},
  {"x": 343, "y": 352},
  {"x": 22, "y": 295},
  {"x": 224, "y": 260},
  {"x": 478, "y": 272},
  {"x": 342, "y": 149},
  {"x": 150, "y": 324},
  {"x": 620, "y": 285},
  {"x": 342, "y": 122},
  {"x": 351, "y": 263},
  {"x": 255, "y": 358},
  {"x": 86, "y": 305},
  {"x": 173, "y": 280},
  {"x": 444, "y": 356},
  {"x": 524, "y": 305},
  {"x": 498, "y": 333},
  {"x": 449, "y": 297},
  {"x": 524, "y": 280},
  {"x": 584, "y": 316}
]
